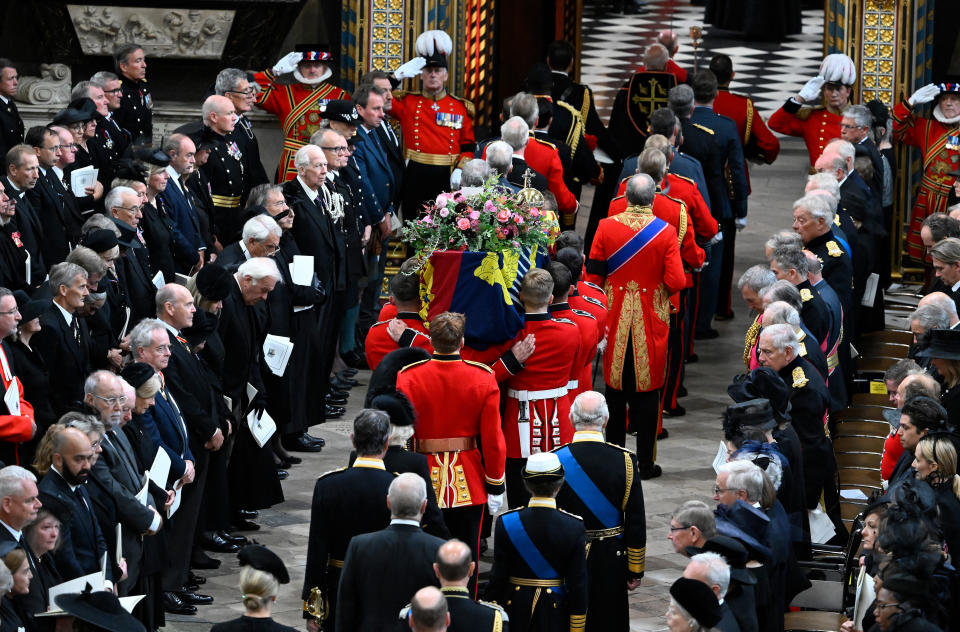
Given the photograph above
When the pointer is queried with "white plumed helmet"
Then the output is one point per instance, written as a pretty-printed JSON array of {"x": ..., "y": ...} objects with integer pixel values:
[
  {"x": 431, "y": 42},
  {"x": 838, "y": 68}
]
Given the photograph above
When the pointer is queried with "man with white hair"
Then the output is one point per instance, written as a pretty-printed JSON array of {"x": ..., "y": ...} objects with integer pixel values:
[
  {"x": 637, "y": 255},
  {"x": 596, "y": 472},
  {"x": 516, "y": 133},
  {"x": 783, "y": 313},
  {"x": 857, "y": 203},
  {"x": 260, "y": 238},
  {"x": 752, "y": 284},
  {"x": 944, "y": 302},
  {"x": 224, "y": 167},
  {"x": 809, "y": 399},
  {"x": 19, "y": 504},
  {"x": 713, "y": 570},
  {"x": 814, "y": 118},
  {"x": 855, "y": 127},
  {"x": 123, "y": 205},
  {"x": 475, "y": 174},
  {"x": 500, "y": 160},
  {"x": 790, "y": 264}
]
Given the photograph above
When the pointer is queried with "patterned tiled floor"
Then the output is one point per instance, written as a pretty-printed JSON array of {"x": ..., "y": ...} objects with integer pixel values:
[{"x": 613, "y": 46}]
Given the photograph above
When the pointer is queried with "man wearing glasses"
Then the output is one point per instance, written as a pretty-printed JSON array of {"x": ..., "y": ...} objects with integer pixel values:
[
  {"x": 814, "y": 114},
  {"x": 234, "y": 84}
]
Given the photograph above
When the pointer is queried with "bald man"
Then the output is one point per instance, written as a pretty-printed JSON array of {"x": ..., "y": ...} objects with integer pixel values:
[
  {"x": 428, "y": 611},
  {"x": 224, "y": 167}
]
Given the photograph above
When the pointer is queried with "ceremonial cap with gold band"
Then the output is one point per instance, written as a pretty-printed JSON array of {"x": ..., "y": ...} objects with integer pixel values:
[{"x": 542, "y": 466}]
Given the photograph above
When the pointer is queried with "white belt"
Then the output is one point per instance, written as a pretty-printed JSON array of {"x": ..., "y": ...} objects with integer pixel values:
[
  {"x": 572, "y": 385},
  {"x": 532, "y": 396}
]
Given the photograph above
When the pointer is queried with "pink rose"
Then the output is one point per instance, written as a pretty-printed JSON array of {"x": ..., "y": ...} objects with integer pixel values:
[
  {"x": 474, "y": 214},
  {"x": 442, "y": 199},
  {"x": 463, "y": 223},
  {"x": 444, "y": 212},
  {"x": 488, "y": 207},
  {"x": 428, "y": 220},
  {"x": 516, "y": 244},
  {"x": 534, "y": 213},
  {"x": 458, "y": 196},
  {"x": 503, "y": 215},
  {"x": 475, "y": 224},
  {"x": 517, "y": 219}
]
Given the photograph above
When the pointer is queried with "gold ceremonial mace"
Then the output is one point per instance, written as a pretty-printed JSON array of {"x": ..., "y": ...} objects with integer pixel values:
[{"x": 696, "y": 33}]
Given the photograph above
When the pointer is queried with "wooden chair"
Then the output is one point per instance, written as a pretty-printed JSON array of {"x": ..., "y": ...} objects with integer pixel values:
[
  {"x": 813, "y": 621},
  {"x": 873, "y": 413},
  {"x": 884, "y": 350},
  {"x": 870, "y": 399},
  {"x": 867, "y": 481},
  {"x": 875, "y": 364},
  {"x": 858, "y": 460},
  {"x": 861, "y": 428},
  {"x": 862, "y": 445}
]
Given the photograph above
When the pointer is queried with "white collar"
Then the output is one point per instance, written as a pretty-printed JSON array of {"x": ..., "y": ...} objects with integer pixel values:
[
  {"x": 170, "y": 328},
  {"x": 956, "y": 286},
  {"x": 57, "y": 170},
  {"x": 246, "y": 251},
  {"x": 587, "y": 435},
  {"x": 16, "y": 534},
  {"x": 938, "y": 114},
  {"x": 67, "y": 316},
  {"x": 310, "y": 192},
  {"x": 412, "y": 523},
  {"x": 174, "y": 176},
  {"x": 840, "y": 184},
  {"x": 559, "y": 72},
  {"x": 4, "y": 99}
]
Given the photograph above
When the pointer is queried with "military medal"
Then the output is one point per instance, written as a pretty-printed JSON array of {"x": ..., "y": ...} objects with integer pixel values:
[
  {"x": 953, "y": 141},
  {"x": 435, "y": 107},
  {"x": 109, "y": 142},
  {"x": 234, "y": 151}
]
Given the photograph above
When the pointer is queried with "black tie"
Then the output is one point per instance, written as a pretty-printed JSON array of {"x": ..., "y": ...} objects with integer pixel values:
[{"x": 75, "y": 327}]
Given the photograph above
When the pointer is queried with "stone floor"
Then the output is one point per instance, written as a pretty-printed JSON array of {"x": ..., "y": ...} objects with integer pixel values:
[{"x": 686, "y": 456}]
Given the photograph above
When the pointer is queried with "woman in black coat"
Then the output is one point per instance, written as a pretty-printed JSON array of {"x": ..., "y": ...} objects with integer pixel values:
[
  {"x": 935, "y": 459},
  {"x": 261, "y": 574}
]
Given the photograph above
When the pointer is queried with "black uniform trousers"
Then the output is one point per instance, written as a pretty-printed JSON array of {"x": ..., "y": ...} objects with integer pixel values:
[
  {"x": 729, "y": 229},
  {"x": 641, "y": 409},
  {"x": 465, "y": 524},
  {"x": 690, "y": 319},
  {"x": 676, "y": 354}
]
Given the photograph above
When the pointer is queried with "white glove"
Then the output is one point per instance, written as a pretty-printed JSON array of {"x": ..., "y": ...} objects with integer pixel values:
[
  {"x": 926, "y": 94},
  {"x": 494, "y": 503},
  {"x": 287, "y": 64},
  {"x": 410, "y": 69},
  {"x": 811, "y": 89},
  {"x": 741, "y": 223},
  {"x": 455, "y": 179}
]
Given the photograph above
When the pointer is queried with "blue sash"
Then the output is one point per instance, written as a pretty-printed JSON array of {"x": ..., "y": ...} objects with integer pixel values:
[
  {"x": 598, "y": 504},
  {"x": 635, "y": 244},
  {"x": 526, "y": 548}
]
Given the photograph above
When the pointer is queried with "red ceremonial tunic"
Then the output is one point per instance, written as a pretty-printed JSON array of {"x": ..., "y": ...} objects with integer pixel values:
[
  {"x": 940, "y": 157},
  {"x": 817, "y": 126},
  {"x": 638, "y": 294},
  {"x": 684, "y": 189},
  {"x": 457, "y": 399},
  {"x": 297, "y": 105},
  {"x": 437, "y": 131},
  {"x": 14, "y": 428},
  {"x": 379, "y": 343},
  {"x": 590, "y": 336},
  {"x": 750, "y": 125},
  {"x": 544, "y": 158}
]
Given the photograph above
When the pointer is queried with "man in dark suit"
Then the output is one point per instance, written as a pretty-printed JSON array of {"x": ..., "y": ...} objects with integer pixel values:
[
  {"x": 401, "y": 551},
  {"x": 116, "y": 472},
  {"x": 63, "y": 341},
  {"x": 713, "y": 570},
  {"x": 21, "y": 175},
  {"x": 18, "y": 508},
  {"x": 346, "y": 503},
  {"x": 855, "y": 129},
  {"x": 123, "y": 205},
  {"x": 177, "y": 199},
  {"x": 919, "y": 417},
  {"x": 58, "y": 231},
  {"x": 11, "y": 125},
  {"x": 83, "y": 545},
  {"x": 260, "y": 238}
]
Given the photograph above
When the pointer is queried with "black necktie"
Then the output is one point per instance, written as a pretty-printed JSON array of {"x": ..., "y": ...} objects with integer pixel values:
[{"x": 75, "y": 327}]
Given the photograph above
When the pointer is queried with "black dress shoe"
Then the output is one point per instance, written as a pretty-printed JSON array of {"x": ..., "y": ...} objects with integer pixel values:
[
  {"x": 245, "y": 525},
  {"x": 301, "y": 443},
  {"x": 333, "y": 412},
  {"x": 217, "y": 544},
  {"x": 664, "y": 434},
  {"x": 190, "y": 597},
  {"x": 282, "y": 475},
  {"x": 173, "y": 604},
  {"x": 348, "y": 382},
  {"x": 693, "y": 357},
  {"x": 343, "y": 385},
  {"x": 723, "y": 317},
  {"x": 248, "y": 514},
  {"x": 204, "y": 562},
  {"x": 319, "y": 440},
  {"x": 196, "y": 579},
  {"x": 333, "y": 400},
  {"x": 239, "y": 540},
  {"x": 652, "y": 471},
  {"x": 346, "y": 373},
  {"x": 708, "y": 334},
  {"x": 682, "y": 391},
  {"x": 676, "y": 411},
  {"x": 191, "y": 586},
  {"x": 338, "y": 392}
]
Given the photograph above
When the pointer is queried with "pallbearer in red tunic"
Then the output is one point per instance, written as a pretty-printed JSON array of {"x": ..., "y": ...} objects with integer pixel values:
[
  {"x": 437, "y": 126},
  {"x": 458, "y": 429},
  {"x": 586, "y": 325},
  {"x": 816, "y": 120},
  {"x": 293, "y": 91},
  {"x": 636, "y": 258},
  {"x": 585, "y": 295},
  {"x": 405, "y": 296},
  {"x": 939, "y": 140}
]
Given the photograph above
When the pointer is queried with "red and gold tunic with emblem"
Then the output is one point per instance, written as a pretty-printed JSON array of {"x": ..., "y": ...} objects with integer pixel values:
[
  {"x": 436, "y": 130},
  {"x": 297, "y": 106},
  {"x": 457, "y": 400},
  {"x": 681, "y": 188},
  {"x": 817, "y": 126},
  {"x": 941, "y": 155},
  {"x": 379, "y": 343},
  {"x": 638, "y": 295}
]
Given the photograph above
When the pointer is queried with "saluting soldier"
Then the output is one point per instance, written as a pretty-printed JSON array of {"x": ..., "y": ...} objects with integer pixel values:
[
  {"x": 454, "y": 568},
  {"x": 465, "y": 449},
  {"x": 539, "y": 572},
  {"x": 814, "y": 119},
  {"x": 224, "y": 167},
  {"x": 293, "y": 91},
  {"x": 602, "y": 485},
  {"x": 346, "y": 502},
  {"x": 437, "y": 126}
]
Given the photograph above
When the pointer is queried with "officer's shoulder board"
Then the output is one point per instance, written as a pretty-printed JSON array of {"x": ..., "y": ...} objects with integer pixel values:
[
  {"x": 583, "y": 314},
  {"x": 479, "y": 365},
  {"x": 543, "y": 142},
  {"x": 399, "y": 94},
  {"x": 413, "y": 364},
  {"x": 806, "y": 295},
  {"x": 799, "y": 378},
  {"x": 502, "y": 514},
  {"x": 596, "y": 302},
  {"x": 325, "y": 474},
  {"x": 833, "y": 249},
  {"x": 467, "y": 103},
  {"x": 618, "y": 447},
  {"x": 684, "y": 178},
  {"x": 673, "y": 199},
  {"x": 572, "y": 515},
  {"x": 564, "y": 320},
  {"x": 703, "y": 128},
  {"x": 494, "y": 606}
]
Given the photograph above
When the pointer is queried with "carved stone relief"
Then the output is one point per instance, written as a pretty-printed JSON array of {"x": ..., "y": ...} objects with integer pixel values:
[
  {"x": 51, "y": 87},
  {"x": 193, "y": 33}
]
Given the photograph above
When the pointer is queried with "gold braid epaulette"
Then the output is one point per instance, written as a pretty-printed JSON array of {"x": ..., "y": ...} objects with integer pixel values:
[{"x": 748, "y": 341}]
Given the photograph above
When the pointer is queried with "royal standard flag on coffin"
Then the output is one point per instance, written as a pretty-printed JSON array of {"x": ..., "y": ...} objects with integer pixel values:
[{"x": 484, "y": 286}]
